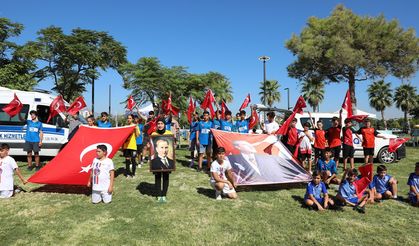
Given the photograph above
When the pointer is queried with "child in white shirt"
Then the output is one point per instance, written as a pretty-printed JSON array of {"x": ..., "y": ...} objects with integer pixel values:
[
  {"x": 221, "y": 176},
  {"x": 305, "y": 137},
  {"x": 8, "y": 167}
]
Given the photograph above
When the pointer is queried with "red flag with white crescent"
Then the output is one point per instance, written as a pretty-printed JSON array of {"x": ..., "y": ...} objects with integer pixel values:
[
  {"x": 191, "y": 110},
  {"x": 56, "y": 107},
  {"x": 224, "y": 109},
  {"x": 299, "y": 105},
  {"x": 347, "y": 104},
  {"x": 152, "y": 126},
  {"x": 14, "y": 107},
  {"x": 130, "y": 102},
  {"x": 76, "y": 106},
  {"x": 245, "y": 102},
  {"x": 396, "y": 143},
  {"x": 254, "y": 119},
  {"x": 208, "y": 101},
  {"x": 73, "y": 164}
]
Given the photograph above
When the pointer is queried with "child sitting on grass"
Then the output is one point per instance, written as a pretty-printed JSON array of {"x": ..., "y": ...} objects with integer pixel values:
[
  {"x": 413, "y": 183},
  {"x": 347, "y": 194},
  {"x": 313, "y": 196},
  {"x": 8, "y": 166},
  {"x": 327, "y": 168},
  {"x": 382, "y": 186}
]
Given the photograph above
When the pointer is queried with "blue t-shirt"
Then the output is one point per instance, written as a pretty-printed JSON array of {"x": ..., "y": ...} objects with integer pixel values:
[
  {"x": 380, "y": 185},
  {"x": 139, "y": 139},
  {"x": 413, "y": 181},
  {"x": 315, "y": 190},
  {"x": 192, "y": 129},
  {"x": 102, "y": 124},
  {"x": 227, "y": 126},
  {"x": 242, "y": 126},
  {"x": 217, "y": 124},
  {"x": 330, "y": 166},
  {"x": 168, "y": 123},
  {"x": 204, "y": 132},
  {"x": 32, "y": 131},
  {"x": 347, "y": 190}
]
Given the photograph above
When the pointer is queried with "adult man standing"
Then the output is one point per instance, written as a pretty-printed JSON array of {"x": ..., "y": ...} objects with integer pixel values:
[{"x": 33, "y": 139}]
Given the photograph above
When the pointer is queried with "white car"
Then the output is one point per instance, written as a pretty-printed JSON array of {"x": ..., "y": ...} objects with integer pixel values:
[
  {"x": 12, "y": 129},
  {"x": 381, "y": 152}
]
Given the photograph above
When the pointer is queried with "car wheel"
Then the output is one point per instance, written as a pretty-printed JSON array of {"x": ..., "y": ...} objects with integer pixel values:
[{"x": 386, "y": 157}]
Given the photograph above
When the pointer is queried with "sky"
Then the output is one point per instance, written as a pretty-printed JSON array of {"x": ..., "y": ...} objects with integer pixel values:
[{"x": 223, "y": 36}]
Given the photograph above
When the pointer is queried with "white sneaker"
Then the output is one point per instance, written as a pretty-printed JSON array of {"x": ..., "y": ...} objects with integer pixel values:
[
  {"x": 139, "y": 166},
  {"x": 218, "y": 195}
]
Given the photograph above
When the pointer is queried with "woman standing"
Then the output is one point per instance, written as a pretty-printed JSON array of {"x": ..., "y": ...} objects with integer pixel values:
[{"x": 130, "y": 149}]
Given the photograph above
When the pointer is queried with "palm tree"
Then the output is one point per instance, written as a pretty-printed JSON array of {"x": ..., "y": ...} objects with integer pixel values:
[
  {"x": 405, "y": 98},
  {"x": 313, "y": 93},
  {"x": 270, "y": 92},
  {"x": 380, "y": 97}
]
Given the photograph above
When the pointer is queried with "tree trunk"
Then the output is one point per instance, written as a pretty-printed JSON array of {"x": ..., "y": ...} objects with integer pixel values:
[
  {"x": 406, "y": 122},
  {"x": 351, "y": 82},
  {"x": 384, "y": 121}
]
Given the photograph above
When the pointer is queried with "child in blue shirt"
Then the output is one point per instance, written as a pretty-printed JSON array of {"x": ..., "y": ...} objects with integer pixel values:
[
  {"x": 203, "y": 140},
  {"x": 104, "y": 121},
  {"x": 327, "y": 168},
  {"x": 242, "y": 125},
  {"x": 192, "y": 137},
  {"x": 33, "y": 139},
  {"x": 139, "y": 140},
  {"x": 347, "y": 191},
  {"x": 413, "y": 183},
  {"x": 382, "y": 186},
  {"x": 227, "y": 123},
  {"x": 314, "y": 191}
]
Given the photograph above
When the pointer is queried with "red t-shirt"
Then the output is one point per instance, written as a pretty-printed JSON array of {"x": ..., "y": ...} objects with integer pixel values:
[
  {"x": 320, "y": 140},
  {"x": 347, "y": 136},
  {"x": 333, "y": 134},
  {"x": 292, "y": 136},
  {"x": 368, "y": 137}
]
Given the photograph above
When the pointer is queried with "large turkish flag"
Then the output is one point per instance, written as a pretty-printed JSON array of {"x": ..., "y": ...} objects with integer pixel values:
[{"x": 72, "y": 165}]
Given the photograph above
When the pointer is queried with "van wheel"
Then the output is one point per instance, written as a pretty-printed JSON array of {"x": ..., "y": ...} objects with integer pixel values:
[{"x": 386, "y": 157}]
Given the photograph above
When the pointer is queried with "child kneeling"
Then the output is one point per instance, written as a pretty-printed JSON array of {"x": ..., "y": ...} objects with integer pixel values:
[
  {"x": 102, "y": 176},
  {"x": 382, "y": 186},
  {"x": 413, "y": 183},
  {"x": 313, "y": 196},
  {"x": 347, "y": 193},
  {"x": 8, "y": 166},
  {"x": 222, "y": 177}
]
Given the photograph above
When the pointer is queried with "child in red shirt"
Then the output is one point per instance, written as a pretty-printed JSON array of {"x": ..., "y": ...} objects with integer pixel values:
[
  {"x": 319, "y": 140},
  {"x": 368, "y": 140},
  {"x": 333, "y": 137},
  {"x": 292, "y": 136},
  {"x": 348, "y": 145}
]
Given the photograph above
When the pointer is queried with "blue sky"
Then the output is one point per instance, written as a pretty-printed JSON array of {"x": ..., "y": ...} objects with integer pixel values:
[{"x": 223, "y": 36}]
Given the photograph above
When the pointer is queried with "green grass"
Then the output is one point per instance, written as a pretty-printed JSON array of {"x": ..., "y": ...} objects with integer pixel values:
[{"x": 193, "y": 217}]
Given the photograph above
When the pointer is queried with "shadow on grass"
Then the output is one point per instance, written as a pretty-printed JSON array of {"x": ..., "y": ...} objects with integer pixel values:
[
  {"x": 206, "y": 192},
  {"x": 65, "y": 189},
  {"x": 300, "y": 200},
  {"x": 147, "y": 189},
  {"x": 270, "y": 187},
  {"x": 119, "y": 171}
]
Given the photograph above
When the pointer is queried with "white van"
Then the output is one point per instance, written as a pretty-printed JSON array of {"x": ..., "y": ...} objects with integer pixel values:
[
  {"x": 381, "y": 145},
  {"x": 12, "y": 130}
]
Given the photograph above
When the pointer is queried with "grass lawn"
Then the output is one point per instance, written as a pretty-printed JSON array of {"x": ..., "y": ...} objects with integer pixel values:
[{"x": 193, "y": 217}]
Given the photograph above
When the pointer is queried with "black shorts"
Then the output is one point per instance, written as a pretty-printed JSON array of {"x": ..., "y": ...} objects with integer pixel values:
[
  {"x": 31, "y": 146},
  {"x": 193, "y": 145},
  {"x": 368, "y": 151},
  {"x": 291, "y": 148},
  {"x": 140, "y": 148},
  {"x": 130, "y": 153},
  {"x": 348, "y": 151},
  {"x": 319, "y": 153},
  {"x": 304, "y": 157},
  {"x": 336, "y": 151}
]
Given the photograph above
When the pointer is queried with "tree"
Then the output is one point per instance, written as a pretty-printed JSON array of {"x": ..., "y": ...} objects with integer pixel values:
[
  {"x": 347, "y": 47},
  {"x": 380, "y": 97},
  {"x": 74, "y": 60},
  {"x": 406, "y": 99},
  {"x": 270, "y": 92},
  {"x": 415, "y": 111},
  {"x": 313, "y": 93},
  {"x": 17, "y": 62}
]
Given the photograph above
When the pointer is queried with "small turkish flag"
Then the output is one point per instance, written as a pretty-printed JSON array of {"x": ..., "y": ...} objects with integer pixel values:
[
  {"x": 208, "y": 102},
  {"x": 130, "y": 103},
  {"x": 152, "y": 126},
  {"x": 254, "y": 119},
  {"x": 224, "y": 109},
  {"x": 76, "y": 106},
  {"x": 396, "y": 143},
  {"x": 299, "y": 105},
  {"x": 347, "y": 104},
  {"x": 367, "y": 171},
  {"x": 191, "y": 110},
  {"x": 14, "y": 107},
  {"x": 245, "y": 102},
  {"x": 358, "y": 118},
  {"x": 360, "y": 186},
  {"x": 57, "y": 106}
]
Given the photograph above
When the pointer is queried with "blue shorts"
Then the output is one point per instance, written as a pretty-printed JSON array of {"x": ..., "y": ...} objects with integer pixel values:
[
  {"x": 205, "y": 148},
  {"x": 413, "y": 199},
  {"x": 319, "y": 200},
  {"x": 353, "y": 200}
]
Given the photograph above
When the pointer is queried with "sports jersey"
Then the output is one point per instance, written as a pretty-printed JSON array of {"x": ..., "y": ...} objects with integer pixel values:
[
  {"x": 220, "y": 169},
  {"x": 315, "y": 190},
  {"x": 101, "y": 178},
  {"x": 102, "y": 124},
  {"x": 347, "y": 136},
  {"x": 227, "y": 126},
  {"x": 192, "y": 129},
  {"x": 381, "y": 185},
  {"x": 139, "y": 139},
  {"x": 204, "y": 129},
  {"x": 7, "y": 168},
  {"x": 413, "y": 181},
  {"x": 131, "y": 142},
  {"x": 292, "y": 135},
  {"x": 322, "y": 165},
  {"x": 368, "y": 136},
  {"x": 216, "y": 124},
  {"x": 320, "y": 139},
  {"x": 347, "y": 190},
  {"x": 32, "y": 131},
  {"x": 242, "y": 126},
  {"x": 333, "y": 136}
]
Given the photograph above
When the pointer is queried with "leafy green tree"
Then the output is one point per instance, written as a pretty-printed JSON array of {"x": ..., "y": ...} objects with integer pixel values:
[
  {"x": 17, "y": 62},
  {"x": 405, "y": 98},
  {"x": 270, "y": 92},
  {"x": 347, "y": 47},
  {"x": 313, "y": 93},
  {"x": 415, "y": 111},
  {"x": 380, "y": 97}
]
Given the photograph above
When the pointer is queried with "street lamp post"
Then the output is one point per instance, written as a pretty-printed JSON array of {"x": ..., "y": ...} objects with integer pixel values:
[
  {"x": 264, "y": 59},
  {"x": 288, "y": 97}
]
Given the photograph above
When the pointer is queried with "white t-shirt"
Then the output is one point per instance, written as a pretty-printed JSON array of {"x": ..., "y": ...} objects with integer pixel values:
[
  {"x": 305, "y": 142},
  {"x": 7, "y": 168},
  {"x": 100, "y": 176},
  {"x": 271, "y": 127},
  {"x": 220, "y": 169}
]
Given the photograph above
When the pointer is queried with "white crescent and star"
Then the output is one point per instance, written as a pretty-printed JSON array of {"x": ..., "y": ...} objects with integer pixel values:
[{"x": 90, "y": 148}]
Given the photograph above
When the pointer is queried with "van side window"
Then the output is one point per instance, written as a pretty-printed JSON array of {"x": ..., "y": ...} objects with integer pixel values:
[
  {"x": 16, "y": 120},
  {"x": 327, "y": 123},
  {"x": 43, "y": 114},
  {"x": 303, "y": 120}
]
